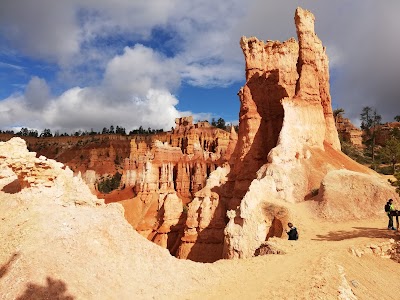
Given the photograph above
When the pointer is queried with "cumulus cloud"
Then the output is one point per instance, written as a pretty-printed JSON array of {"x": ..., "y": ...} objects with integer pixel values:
[
  {"x": 138, "y": 70},
  {"x": 85, "y": 108},
  {"x": 137, "y": 85},
  {"x": 135, "y": 91},
  {"x": 37, "y": 93}
]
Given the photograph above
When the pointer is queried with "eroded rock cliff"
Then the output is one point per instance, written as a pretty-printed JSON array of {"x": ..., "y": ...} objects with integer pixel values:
[
  {"x": 166, "y": 174},
  {"x": 287, "y": 143}
]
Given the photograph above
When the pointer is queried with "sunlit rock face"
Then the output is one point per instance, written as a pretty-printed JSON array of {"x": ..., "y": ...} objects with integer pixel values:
[
  {"x": 287, "y": 143},
  {"x": 22, "y": 173},
  {"x": 167, "y": 172},
  {"x": 60, "y": 242}
]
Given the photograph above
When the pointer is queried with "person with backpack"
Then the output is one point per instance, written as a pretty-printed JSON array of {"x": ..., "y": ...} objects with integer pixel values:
[
  {"x": 292, "y": 232},
  {"x": 391, "y": 212}
]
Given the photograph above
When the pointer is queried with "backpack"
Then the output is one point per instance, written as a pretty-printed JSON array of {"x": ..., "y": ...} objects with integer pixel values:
[{"x": 387, "y": 207}]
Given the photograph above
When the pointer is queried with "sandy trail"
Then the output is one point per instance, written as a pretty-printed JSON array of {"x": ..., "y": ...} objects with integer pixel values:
[
  {"x": 315, "y": 267},
  {"x": 79, "y": 247}
]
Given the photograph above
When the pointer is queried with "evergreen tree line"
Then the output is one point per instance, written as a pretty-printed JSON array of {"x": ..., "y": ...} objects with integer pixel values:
[
  {"x": 111, "y": 130},
  {"x": 220, "y": 123}
]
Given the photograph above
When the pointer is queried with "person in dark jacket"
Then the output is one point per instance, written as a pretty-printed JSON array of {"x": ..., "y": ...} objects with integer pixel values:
[
  {"x": 292, "y": 232},
  {"x": 392, "y": 212}
]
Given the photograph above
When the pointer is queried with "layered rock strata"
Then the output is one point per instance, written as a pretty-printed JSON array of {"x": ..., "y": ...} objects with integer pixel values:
[
  {"x": 287, "y": 143},
  {"x": 348, "y": 132},
  {"x": 166, "y": 174}
]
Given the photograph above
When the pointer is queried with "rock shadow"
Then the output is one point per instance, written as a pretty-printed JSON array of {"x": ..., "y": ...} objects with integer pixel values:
[
  {"x": 359, "y": 232},
  {"x": 260, "y": 106},
  {"x": 55, "y": 289},
  {"x": 209, "y": 244},
  {"x": 13, "y": 187},
  {"x": 4, "y": 268},
  {"x": 266, "y": 94}
]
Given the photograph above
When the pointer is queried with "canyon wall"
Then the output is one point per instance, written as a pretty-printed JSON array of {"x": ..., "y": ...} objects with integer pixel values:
[
  {"x": 165, "y": 172},
  {"x": 207, "y": 194},
  {"x": 160, "y": 173}
]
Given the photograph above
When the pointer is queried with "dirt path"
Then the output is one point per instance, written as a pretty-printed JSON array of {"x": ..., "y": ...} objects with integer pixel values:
[
  {"x": 90, "y": 253},
  {"x": 318, "y": 266}
]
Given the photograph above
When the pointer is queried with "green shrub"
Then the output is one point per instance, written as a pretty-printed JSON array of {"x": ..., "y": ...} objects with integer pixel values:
[
  {"x": 355, "y": 153},
  {"x": 396, "y": 183},
  {"x": 109, "y": 184}
]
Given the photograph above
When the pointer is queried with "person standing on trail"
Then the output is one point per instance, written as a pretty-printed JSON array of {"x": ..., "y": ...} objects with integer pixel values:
[
  {"x": 391, "y": 211},
  {"x": 292, "y": 232}
]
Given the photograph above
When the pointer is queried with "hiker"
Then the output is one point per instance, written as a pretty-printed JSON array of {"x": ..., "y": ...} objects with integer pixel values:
[
  {"x": 391, "y": 212},
  {"x": 292, "y": 232}
]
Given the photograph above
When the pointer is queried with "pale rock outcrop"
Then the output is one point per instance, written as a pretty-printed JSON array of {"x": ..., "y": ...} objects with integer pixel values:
[
  {"x": 203, "y": 238},
  {"x": 257, "y": 218},
  {"x": 61, "y": 242},
  {"x": 23, "y": 172},
  {"x": 347, "y": 195}
]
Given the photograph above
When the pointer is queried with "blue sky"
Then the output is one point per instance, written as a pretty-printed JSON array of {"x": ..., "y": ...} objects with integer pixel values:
[{"x": 70, "y": 65}]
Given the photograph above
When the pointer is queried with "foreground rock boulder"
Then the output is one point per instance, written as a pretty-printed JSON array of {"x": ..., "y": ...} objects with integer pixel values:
[
  {"x": 351, "y": 195},
  {"x": 61, "y": 242}
]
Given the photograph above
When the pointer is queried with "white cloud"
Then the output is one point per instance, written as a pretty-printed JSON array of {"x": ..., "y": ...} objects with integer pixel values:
[
  {"x": 89, "y": 109},
  {"x": 85, "y": 108},
  {"x": 138, "y": 70}
]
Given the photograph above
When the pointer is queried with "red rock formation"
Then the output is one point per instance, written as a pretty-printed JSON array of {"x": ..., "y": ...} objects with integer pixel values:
[
  {"x": 167, "y": 173},
  {"x": 348, "y": 132},
  {"x": 160, "y": 172},
  {"x": 287, "y": 143},
  {"x": 385, "y": 131}
]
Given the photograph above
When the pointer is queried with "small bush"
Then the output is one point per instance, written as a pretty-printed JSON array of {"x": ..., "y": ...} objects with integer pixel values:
[
  {"x": 396, "y": 183},
  {"x": 107, "y": 185},
  {"x": 355, "y": 153}
]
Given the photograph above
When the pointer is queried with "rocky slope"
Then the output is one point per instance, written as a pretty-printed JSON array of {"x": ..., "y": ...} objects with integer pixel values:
[{"x": 59, "y": 240}]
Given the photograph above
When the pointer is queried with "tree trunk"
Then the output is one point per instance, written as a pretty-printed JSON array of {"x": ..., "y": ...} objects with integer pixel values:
[{"x": 373, "y": 150}]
